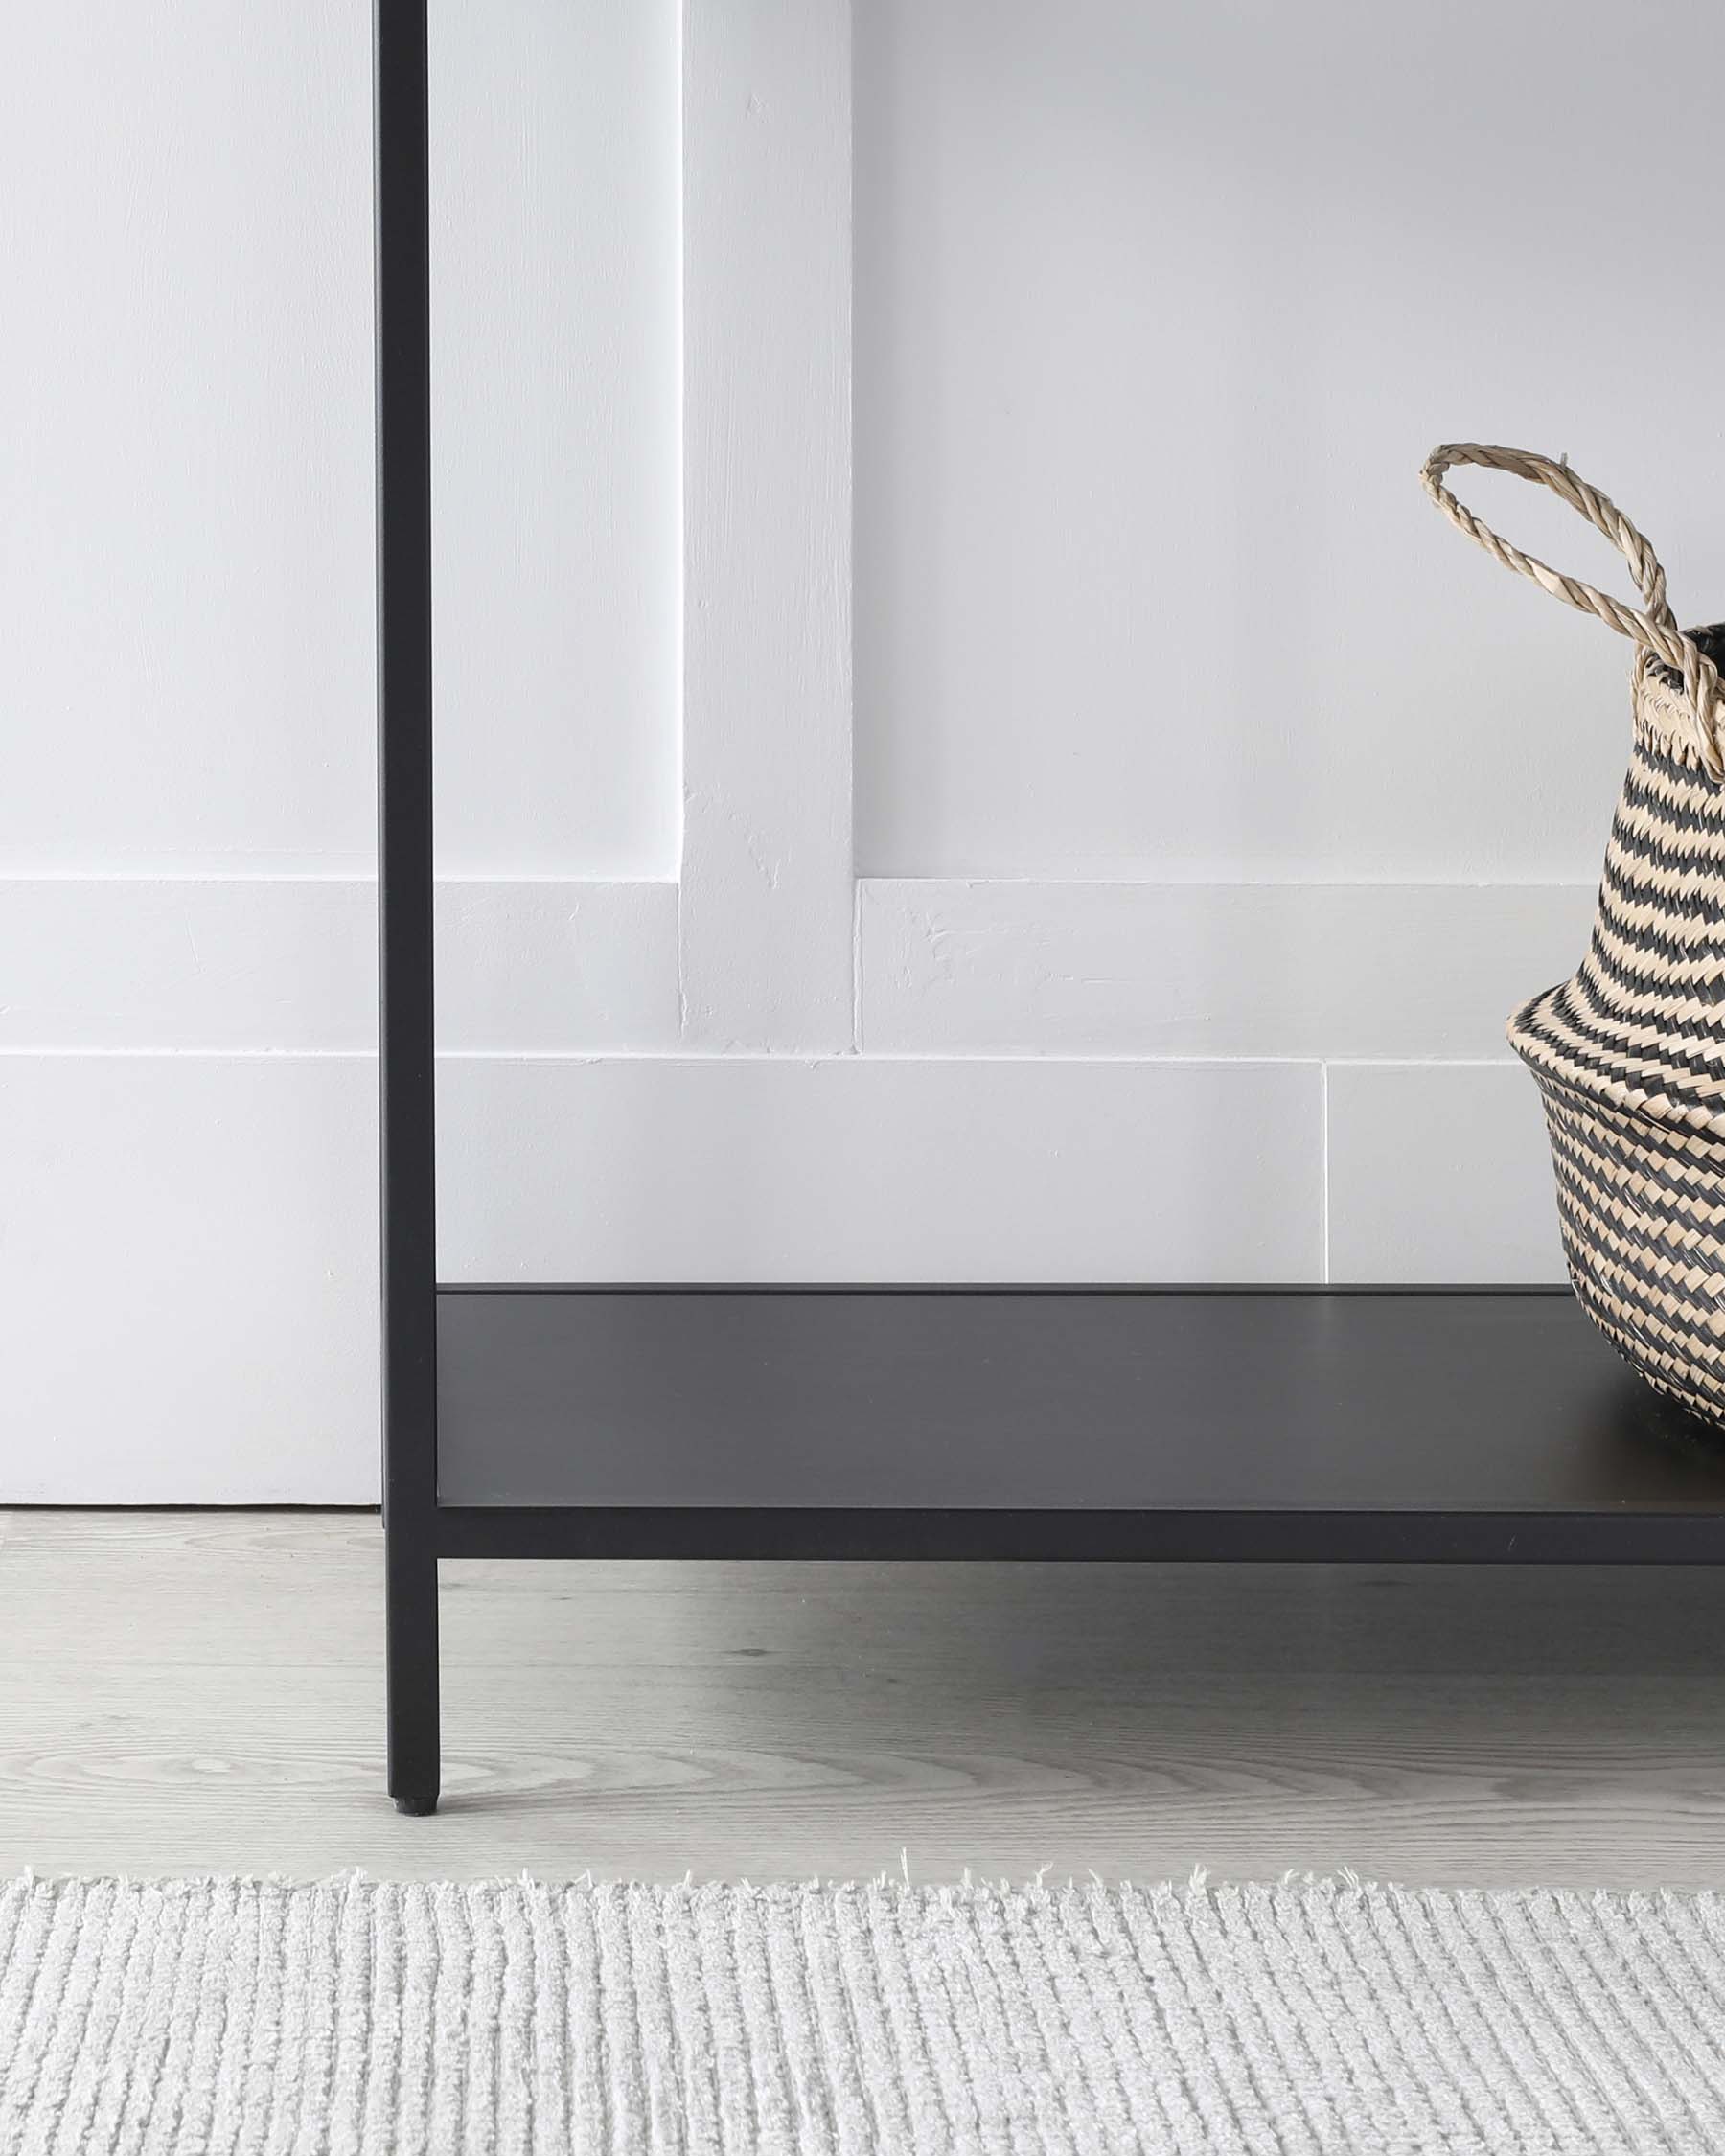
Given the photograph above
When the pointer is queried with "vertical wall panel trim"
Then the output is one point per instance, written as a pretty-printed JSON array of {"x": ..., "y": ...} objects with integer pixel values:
[{"x": 766, "y": 926}]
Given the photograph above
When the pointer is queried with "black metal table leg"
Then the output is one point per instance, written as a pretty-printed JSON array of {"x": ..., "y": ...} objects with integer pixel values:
[
  {"x": 414, "y": 1742},
  {"x": 406, "y": 1036}
]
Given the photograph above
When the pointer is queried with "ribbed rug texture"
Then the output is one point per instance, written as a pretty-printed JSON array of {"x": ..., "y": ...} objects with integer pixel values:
[{"x": 247, "y": 2016}]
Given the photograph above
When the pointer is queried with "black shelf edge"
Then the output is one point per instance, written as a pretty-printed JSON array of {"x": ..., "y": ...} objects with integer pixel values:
[
  {"x": 863, "y": 1534},
  {"x": 999, "y": 1288}
]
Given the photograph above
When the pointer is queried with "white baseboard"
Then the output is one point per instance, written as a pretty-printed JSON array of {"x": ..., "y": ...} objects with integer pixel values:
[
  {"x": 189, "y": 1271},
  {"x": 873, "y": 1169},
  {"x": 189, "y": 1280},
  {"x": 188, "y": 1263},
  {"x": 1440, "y": 1172}
]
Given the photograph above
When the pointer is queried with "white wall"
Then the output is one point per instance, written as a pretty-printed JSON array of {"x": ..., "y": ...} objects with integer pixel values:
[
  {"x": 1158, "y": 307},
  {"x": 1125, "y": 873}
]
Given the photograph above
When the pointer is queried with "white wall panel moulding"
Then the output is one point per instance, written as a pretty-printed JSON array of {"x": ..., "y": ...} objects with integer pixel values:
[
  {"x": 1440, "y": 1172},
  {"x": 289, "y": 966},
  {"x": 947, "y": 969},
  {"x": 738, "y": 1168},
  {"x": 557, "y": 967},
  {"x": 951, "y": 968}
]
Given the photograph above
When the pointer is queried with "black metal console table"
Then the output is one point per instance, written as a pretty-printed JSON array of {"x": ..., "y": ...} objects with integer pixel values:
[{"x": 1458, "y": 1425}]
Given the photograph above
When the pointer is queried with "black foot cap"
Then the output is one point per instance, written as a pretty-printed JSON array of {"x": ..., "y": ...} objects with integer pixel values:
[{"x": 416, "y": 1807}]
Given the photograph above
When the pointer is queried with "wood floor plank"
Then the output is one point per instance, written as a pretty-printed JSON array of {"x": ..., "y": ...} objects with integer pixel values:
[{"x": 202, "y": 1693}]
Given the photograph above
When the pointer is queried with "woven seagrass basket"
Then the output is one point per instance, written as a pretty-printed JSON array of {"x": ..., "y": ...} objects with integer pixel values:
[{"x": 1629, "y": 1053}]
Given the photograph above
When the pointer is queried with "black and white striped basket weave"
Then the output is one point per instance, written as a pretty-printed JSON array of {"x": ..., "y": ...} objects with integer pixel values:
[{"x": 1629, "y": 1053}]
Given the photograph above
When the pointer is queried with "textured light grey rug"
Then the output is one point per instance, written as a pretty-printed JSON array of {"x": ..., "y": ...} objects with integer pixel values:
[{"x": 240, "y": 2016}]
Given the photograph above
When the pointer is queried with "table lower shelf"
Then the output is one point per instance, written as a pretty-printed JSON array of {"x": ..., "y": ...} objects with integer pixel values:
[{"x": 1177, "y": 1423}]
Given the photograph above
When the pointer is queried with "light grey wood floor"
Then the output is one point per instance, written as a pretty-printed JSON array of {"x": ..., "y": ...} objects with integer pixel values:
[{"x": 202, "y": 1693}]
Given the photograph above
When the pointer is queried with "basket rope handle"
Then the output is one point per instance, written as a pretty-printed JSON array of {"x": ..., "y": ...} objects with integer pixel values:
[{"x": 1655, "y": 633}]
